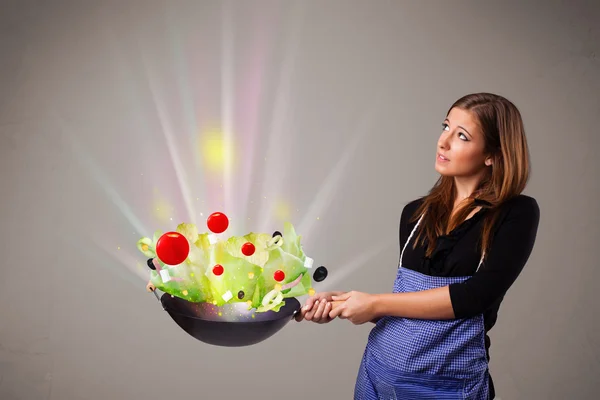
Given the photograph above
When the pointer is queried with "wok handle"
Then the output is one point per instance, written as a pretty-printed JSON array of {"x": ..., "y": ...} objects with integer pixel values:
[
  {"x": 151, "y": 288},
  {"x": 335, "y": 304}
]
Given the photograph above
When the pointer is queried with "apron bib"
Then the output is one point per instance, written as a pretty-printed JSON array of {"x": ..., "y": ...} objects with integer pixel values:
[{"x": 424, "y": 359}]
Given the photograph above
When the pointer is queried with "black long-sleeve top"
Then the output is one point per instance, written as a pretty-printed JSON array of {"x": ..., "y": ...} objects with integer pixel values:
[{"x": 458, "y": 254}]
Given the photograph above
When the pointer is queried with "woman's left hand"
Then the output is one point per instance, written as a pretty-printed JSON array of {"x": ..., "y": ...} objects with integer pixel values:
[{"x": 357, "y": 307}]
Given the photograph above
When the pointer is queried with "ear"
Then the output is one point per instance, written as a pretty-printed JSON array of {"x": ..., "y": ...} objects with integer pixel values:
[{"x": 489, "y": 161}]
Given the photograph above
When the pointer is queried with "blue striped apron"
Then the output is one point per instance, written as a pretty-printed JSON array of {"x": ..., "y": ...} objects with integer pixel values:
[{"x": 424, "y": 359}]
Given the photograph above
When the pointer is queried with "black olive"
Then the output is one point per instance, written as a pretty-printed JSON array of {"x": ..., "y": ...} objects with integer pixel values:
[
  {"x": 150, "y": 264},
  {"x": 241, "y": 294},
  {"x": 277, "y": 233},
  {"x": 320, "y": 274}
]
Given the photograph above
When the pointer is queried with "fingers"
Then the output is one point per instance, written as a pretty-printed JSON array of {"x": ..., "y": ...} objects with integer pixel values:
[
  {"x": 342, "y": 297},
  {"x": 322, "y": 312},
  {"x": 317, "y": 307},
  {"x": 337, "y": 312},
  {"x": 308, "y": 306},
  {"x": 310, "y": 302},
  {"x": 336, "y": 303},
  {"x": 326, "y": 311},
  {"x": 319, "y": 312}
]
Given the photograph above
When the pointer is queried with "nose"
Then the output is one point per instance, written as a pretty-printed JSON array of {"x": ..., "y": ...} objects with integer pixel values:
[{"x": 443, "y": 142}]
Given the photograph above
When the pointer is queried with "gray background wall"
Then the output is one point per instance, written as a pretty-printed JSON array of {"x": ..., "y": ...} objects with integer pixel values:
[{"x": 335, "y": 108}]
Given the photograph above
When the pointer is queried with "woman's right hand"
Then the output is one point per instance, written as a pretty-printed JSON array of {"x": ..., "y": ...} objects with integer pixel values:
[{"x": 317, "y": 308}]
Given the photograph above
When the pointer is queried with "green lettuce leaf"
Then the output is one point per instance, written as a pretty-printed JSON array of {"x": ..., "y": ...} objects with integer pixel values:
[
  {"x": 301, "y": 288},
  {"x": 253, "y": 275},
  {"x": 157, "y": 235},
  {"x": 238, "y": 275},
  {"x": 235, "y": 243},
  {"x": 203, "y": 242},
  {"x": 189, "y": 231},
  {"x": 289, "y": 264},
  {"x": 146, "y": 246},
  {"x": 275, "y": 308},
  {"x": 291, "y": 242},
  {"x": 274, "y": 302},
  {"x": 259, "y": 293},
  {"x": 278, "y": 306},
  {"x": 194, "y": 286}
]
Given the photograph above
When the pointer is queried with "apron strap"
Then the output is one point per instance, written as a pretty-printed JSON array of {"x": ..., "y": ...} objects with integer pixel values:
[
  {"x": 411, "y": 235},
  {"x": 408, "y": 240},
  {"x": 480, "y": 261}
]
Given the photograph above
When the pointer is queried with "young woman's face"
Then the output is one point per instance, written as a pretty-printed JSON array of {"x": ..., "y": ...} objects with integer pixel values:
[{"x": 460, "y": 148}]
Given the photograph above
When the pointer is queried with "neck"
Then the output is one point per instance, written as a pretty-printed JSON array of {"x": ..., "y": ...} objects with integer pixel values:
[{"x": 464, "y": 187}]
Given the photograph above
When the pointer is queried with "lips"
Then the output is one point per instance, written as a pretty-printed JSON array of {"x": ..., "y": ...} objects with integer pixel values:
[{"x": 441, "y": 157}]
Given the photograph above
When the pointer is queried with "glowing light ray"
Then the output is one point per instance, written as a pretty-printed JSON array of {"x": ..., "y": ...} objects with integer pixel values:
[
  {"x": 125, "y": 259},
  {"x": 252, "y": 99},
  {"x": 362, "y": 260},
  {"x": 326, "y": 193},
  {"x": 86, "y": 160},
  {"x": 167, "y": 132},
  {"x": 275, "y": 169},
  {"x": 184, "y": 86},
  {"x": 227, "y": 114}
]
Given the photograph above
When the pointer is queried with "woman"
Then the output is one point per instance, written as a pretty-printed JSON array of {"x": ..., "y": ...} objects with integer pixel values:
[{"x": 462, "y": 247}]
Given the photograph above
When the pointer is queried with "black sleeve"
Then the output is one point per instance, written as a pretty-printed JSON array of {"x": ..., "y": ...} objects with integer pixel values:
[
  {"x": 404, "y": 227},
  {"x": 510, "y": 250}
]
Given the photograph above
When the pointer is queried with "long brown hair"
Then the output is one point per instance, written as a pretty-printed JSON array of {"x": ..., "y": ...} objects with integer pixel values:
[{"x": 505, "y": 141}]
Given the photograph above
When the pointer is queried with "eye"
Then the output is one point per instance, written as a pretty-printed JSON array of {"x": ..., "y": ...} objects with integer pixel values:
[
  {"x": 445, "y": 126},
  {"x": 463, "y": 137}
]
